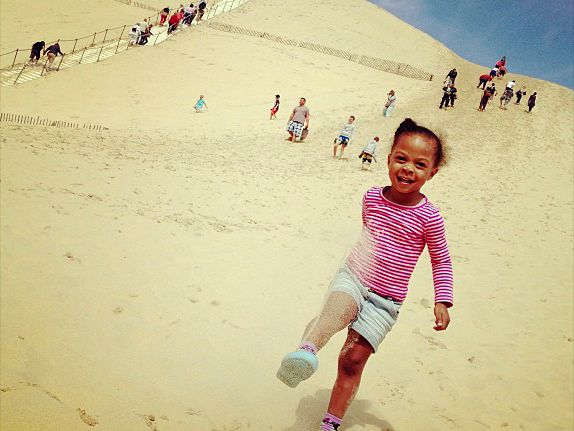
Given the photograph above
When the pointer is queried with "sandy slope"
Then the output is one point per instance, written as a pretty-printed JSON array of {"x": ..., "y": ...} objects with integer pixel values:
[{"x": 160, "y": 270}]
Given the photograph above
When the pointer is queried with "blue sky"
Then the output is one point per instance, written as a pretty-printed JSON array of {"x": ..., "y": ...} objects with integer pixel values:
[{"x": 536, "y": 36}]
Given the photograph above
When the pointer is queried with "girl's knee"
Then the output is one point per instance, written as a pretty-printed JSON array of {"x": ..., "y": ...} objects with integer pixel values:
[{"x": 352, "y": 360}]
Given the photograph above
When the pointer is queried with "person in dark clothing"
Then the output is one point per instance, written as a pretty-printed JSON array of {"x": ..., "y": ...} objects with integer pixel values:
[
  {"x": 492, "y": 90},
  {"x": 531, "y": 101},
  {"x": 453, "y": 95},
  {"x": 201, "y": 10},
  {"x": 36, "y": 51},
  {"x": 519, "y": 94},
  {"x": 52, "y": 51},
  {"x": 446, "y": 96},
  {"x": 450, "y": 77},
  {"x": 484, "y": 99}
]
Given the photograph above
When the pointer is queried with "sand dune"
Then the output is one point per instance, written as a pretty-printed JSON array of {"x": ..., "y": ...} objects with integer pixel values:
[{"x": 153, "y": 275}]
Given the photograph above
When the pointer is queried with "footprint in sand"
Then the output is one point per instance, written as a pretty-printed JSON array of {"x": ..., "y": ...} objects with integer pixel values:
[{"x": 86, "y": 418}]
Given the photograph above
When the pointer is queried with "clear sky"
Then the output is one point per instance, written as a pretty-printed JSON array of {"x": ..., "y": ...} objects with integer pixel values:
[{"x": 537, "y": 36}]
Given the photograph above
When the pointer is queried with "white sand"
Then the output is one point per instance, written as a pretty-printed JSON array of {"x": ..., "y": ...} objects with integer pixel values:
[{"x": 161, "y": 270}]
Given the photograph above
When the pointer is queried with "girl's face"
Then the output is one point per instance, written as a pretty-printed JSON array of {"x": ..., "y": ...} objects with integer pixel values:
[{"x": 411, "y": 164}]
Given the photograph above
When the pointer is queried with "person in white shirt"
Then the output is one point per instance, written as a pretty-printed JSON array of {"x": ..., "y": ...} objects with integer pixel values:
[
  {"x": 390, "y": 104},
  {"x": 368, "y": 153},
  {"x": 511, "y": 84},
  {"x": 344, "y": 138}
]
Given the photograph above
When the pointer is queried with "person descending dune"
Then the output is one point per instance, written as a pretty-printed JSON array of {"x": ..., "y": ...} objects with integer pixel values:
[{"x": 368, "y": 291}]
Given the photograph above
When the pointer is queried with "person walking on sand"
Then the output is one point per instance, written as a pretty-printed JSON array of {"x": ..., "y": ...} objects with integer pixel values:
[
  {"x": 298, "y": 120},
  {"x": 447, "y": 91},
  {"x": 200, "y": 105},
  {"x": 368, "y": 154},
  {"x": 450, "y": 77},
  {"x": 275, "y": 108},
  {"x": 483, "y": 80},
  {"x": 391, "y": 104},
  {"x": 505, "y": 98},
  {"x": 486, "y": 95},
  {"x": 345, "y": 136},
  {"x": 51, "y": 52},
  {"x": 494, "y": 72},
  {"x": 453, "y": 95},
  {"x": 519, "y": 94},
  {"x": 531, "y": 102},
  {"x": 493, "y": 91},
  {"x": 367, "y": 293}
]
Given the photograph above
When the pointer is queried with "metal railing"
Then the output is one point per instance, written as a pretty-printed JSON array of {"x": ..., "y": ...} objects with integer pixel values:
[{"x": 389, "y": 66}]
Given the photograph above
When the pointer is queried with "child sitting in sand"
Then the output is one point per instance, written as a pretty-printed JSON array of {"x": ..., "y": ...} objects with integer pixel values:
[
  {"x": 200, "y": 104},
  {"x": 368, "y": 153},
  {"x": 344, "y": 138},
  {"x": 369, "y": 289}
]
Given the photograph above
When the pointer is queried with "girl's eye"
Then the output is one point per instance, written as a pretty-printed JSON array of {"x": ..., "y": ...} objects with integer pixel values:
[
  {"x": 400, "y": 158},
  {"x": 421, "y": 165}
]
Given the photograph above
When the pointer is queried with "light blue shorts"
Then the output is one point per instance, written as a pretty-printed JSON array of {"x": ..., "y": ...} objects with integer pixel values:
[{"x": 376, "y": 315}]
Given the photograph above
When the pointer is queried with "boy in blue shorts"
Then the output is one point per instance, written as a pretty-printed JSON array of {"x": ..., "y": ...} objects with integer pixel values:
[{"x": 344, "y": 138}]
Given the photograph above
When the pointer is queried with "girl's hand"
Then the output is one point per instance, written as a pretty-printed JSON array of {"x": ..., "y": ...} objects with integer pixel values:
[{"x": 442, "y": 318}]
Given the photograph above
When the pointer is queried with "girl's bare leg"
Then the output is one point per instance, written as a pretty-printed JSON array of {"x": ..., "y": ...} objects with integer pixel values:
[{"x": 352, "y": 359}]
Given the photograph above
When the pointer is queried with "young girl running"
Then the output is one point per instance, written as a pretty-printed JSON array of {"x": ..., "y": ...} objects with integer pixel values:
[{"x": 369, "y": 289}]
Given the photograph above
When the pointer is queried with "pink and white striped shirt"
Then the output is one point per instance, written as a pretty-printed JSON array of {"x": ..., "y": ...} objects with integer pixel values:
[{"x": 394, "y": 237}]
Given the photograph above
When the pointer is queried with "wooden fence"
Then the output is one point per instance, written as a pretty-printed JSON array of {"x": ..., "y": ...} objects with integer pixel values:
[
  {"x": 37, "y": 121},
  {"x": 390, "y": 66}
]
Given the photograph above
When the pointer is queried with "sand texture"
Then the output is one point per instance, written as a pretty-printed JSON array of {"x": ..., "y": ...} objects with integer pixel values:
[{"x": 153, "y": 275}]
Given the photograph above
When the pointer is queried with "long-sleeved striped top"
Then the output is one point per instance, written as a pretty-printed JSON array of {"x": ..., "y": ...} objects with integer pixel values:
[{"x": 393, "y": 238}]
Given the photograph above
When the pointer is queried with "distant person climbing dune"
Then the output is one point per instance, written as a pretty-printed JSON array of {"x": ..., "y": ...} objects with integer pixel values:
[
  {"x": 531, "y": 102},
  {"x": 451, "y": 77},
  {"x": 163, "y": 16},
  {"x": 519, "y": 94},
  {"x": 36, "y": 51},
  {"x": 484, "y": 99},
  {"x": 482, "y": 80},
  {"x": 52, "y": 51}
]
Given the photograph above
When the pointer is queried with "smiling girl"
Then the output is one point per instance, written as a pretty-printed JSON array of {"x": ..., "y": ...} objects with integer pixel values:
[{"x": 369, "y": 289}]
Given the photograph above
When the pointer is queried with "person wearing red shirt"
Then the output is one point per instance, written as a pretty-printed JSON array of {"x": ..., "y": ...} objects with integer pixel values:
[{"x": 483, "y": 79}]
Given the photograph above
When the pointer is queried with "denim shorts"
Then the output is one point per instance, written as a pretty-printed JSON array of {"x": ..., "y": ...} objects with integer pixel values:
[{"x": 376, "y": 315}]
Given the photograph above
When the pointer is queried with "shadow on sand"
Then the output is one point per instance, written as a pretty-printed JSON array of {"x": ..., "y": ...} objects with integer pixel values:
[{"x": 312, "y": 408}]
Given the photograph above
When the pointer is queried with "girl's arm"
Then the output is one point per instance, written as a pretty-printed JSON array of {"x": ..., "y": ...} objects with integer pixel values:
[{"x": 440, "y": 260}]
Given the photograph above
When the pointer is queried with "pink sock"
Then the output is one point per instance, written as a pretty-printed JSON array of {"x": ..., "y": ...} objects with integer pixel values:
[
  {"x": 310, "y": 347},
  {"x": 330, "y": 423}
]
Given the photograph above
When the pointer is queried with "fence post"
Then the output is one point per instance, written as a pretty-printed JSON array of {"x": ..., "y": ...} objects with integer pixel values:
[
  {"x": 23, "y": 67},
  {"x": 43, "y": 69},
  {"x": 15, "y": 55},
  {"x": 105, "y": 35},
  {"x": 94, "y": 39},
  {"x": 120, "y": 39},
  {"x": 74, "y": 48},
  {"x": 155, "y": 41},
  {"x": 100, "y": 53},
  {"x": 59, "y": 64},
  {"x": 82, "y": 56}
]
